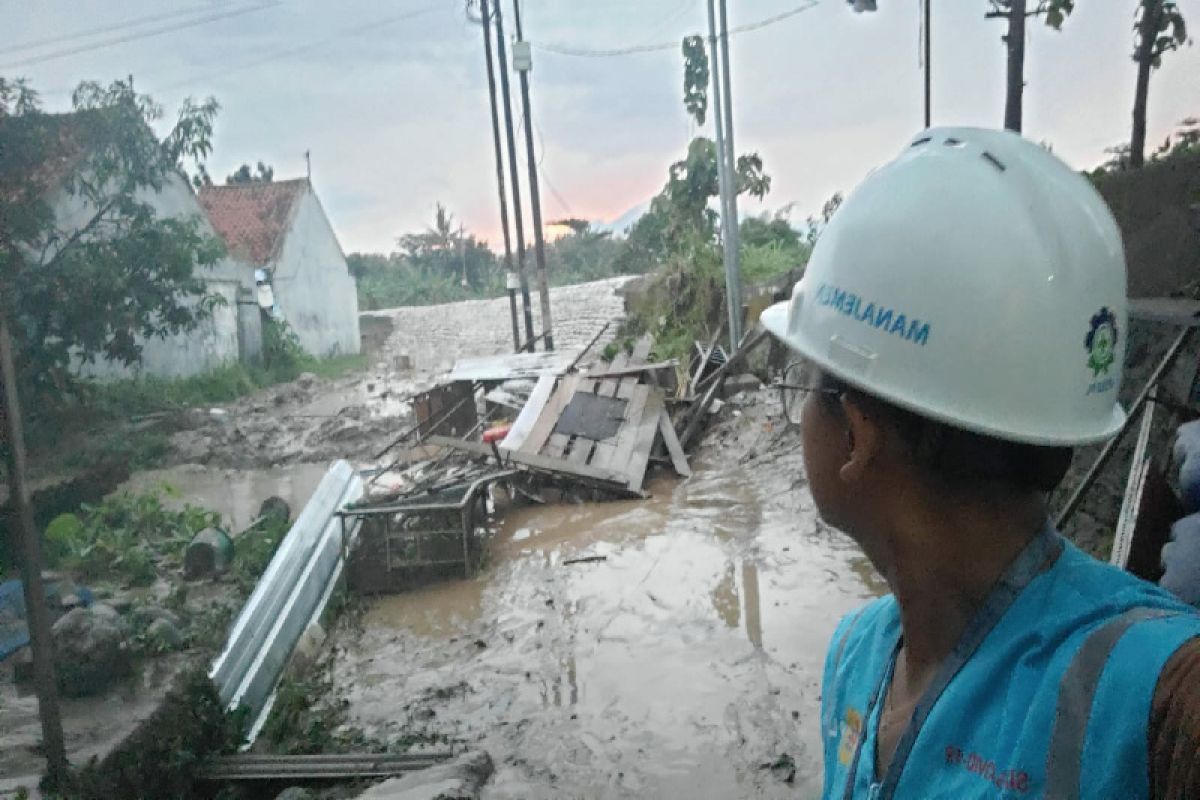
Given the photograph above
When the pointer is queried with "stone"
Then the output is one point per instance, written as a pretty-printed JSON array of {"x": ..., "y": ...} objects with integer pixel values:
[
  {"x": 459, "y": 779},
  {"x": 275, "y": 506},
  {"x": 91, "y": 650},
  {"x": 307, "y": 380},
  {"x": 296, "y": 793},
  {"x": 164, "y": 635},
  {"x": 736, "y": 384},
  {"x": 402, "y": 362},
  {"x": 150, "y": 614}
]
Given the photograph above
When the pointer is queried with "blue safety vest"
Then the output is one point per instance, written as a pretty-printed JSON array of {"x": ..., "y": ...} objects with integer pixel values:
[{"x": 1046, "y": 695}]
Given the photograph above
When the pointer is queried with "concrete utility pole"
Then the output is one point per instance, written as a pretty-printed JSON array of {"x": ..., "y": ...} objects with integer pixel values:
[
  {"x": 510, "y": 276},
  {"x": 502, "y": 53},
  {"x": 727, "y": 180},
  {"x": 38, "y": 619},
  {"x": 735, "y": 298},
  {"x": 524, "y": 65},
  {"x": 928, "y": 67}
]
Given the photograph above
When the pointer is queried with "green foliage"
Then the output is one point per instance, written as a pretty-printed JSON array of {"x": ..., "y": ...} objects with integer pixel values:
[
  {"x": 126, "y": 539},
  {"x": 160, "y": 759},
  {"x": 695, "y": 77},
  {"x": 1183, "y": 142},
  {"x": 1159, "y": 28},
  {"x": 1055, "y": 11},
  {"x": 283, "y": 357},
  {"x": 88, "y": 287},
  {"x": 243, "y": 174},
  {"x": 762, "y": 262}
]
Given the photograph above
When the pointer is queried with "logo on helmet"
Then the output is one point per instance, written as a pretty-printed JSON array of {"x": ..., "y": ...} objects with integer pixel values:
[{"x": 1101, "y": 342}]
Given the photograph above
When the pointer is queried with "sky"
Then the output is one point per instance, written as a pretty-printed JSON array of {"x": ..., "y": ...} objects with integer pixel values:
[{"x": 390, "y": 96}]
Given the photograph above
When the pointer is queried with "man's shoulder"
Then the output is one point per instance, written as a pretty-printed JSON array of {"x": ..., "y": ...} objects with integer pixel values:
[{"x": 877, "y": 620}]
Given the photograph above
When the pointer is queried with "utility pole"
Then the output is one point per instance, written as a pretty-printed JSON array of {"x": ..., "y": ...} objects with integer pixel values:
[
  {"x": 510, "y": 276},
  {"x": 728, "y": 186},
  {"x": 735, "y": 299},
  {"x": 928, "y": 67},
  {"x": 523, "y": 65},
  {"x": 502, "y": 54},
  {"x": 38, "y": 619}
]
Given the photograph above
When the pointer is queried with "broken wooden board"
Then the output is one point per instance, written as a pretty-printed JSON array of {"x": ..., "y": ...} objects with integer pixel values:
[
  {"x": 513, "y": 365},
  {"x": 529, "y": 414}
]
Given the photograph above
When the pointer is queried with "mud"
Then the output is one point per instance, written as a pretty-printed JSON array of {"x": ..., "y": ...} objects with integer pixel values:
[
  {"x": 92, "y": 726},
  {"x": 678, "y": 666},
  {"x": 314, "y": 420},
  {"x": 236, "y": 494}
]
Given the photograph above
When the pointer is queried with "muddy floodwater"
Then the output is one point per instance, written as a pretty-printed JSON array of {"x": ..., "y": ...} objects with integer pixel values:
[
  {"x": 236, "y": 494},
  {"x": 677, "y": 666}
]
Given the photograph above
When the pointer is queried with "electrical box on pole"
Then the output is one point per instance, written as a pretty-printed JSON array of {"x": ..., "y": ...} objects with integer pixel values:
[{"x": 522, "y": 57}]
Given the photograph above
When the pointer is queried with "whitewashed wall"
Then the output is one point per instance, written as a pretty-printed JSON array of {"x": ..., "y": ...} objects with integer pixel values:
[
  {"x": 212, "y": 344},
  {"x": 313, "y": 287}
]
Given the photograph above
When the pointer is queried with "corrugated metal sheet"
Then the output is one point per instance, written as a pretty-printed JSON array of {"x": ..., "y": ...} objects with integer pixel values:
[
  {"x": 513, "y": 365},
  {"x": 292, "y": 592}
]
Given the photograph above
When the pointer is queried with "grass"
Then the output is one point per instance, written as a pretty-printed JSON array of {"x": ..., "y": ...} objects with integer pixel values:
[{"x": 222, "y": 385}]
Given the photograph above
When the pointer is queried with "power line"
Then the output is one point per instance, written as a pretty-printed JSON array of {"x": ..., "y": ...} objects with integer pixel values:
[
  {"x": 292, "y": 51},
  {"x": 566, "y": 50},
  {"x": 131, "y": 37},
  {"x": 131, "y": 23}
]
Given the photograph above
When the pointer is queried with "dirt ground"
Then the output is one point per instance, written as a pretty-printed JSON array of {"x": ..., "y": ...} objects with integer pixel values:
[{"x": 683, "y": 664}]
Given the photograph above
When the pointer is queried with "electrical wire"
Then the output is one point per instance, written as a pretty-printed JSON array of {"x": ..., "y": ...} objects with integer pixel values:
[
  {"x": 130, "y": 23},
  {"x": 567, "y": 50},
  {"x": 292, "y": 51},
  {"x": 132, "y": 37}
]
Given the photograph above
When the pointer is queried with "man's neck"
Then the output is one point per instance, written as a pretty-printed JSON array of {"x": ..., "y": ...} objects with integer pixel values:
[{"x": 941, "y": 560}]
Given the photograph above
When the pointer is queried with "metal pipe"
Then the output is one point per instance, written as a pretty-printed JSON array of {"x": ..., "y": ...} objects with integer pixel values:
[{"x": 1077, "y": 496}]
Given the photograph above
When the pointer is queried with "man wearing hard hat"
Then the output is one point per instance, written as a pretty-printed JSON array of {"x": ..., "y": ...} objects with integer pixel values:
[{"x": 962, "y": 321}]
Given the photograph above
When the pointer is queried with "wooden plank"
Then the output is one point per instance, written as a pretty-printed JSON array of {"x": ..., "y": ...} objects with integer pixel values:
[
  {"x": 603, "y": 453},
  {"x": 581, "y": 450},
  {"x": 633, "y": 369},
  {"x": 678, "y": 457},
  {"x": 546, "y": 421},
  {"x": 557, "y": 445},
  {"x": 1173, "y": 310},
  {"x": 559, "y": 465},
  {"x": 474, "y": 448},
  {"x": 529, "y": 413},
  {"x": 618, "y": 457},
  {"x": 645, "y": 434}
]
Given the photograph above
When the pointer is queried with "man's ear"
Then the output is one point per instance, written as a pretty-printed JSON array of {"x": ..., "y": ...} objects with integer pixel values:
[{"x": 864, "y": 440}]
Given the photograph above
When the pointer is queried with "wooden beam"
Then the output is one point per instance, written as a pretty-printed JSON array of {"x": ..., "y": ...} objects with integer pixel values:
[
  {"x": 540, "y": 433},
  {"x": 678, "y": 457},
  {"x": 558, "y": 465}
]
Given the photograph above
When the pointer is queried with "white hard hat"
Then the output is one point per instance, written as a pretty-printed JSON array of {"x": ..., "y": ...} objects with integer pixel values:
[{"x": 975, "y": 280}]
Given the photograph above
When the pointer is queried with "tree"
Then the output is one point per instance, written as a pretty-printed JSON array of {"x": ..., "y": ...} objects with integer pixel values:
[
  {"x": 445, "y": 250},
  {"x": 1016, "y": 12},
  {"x": 243, "y": 174},
  {"x": 89, "y": 284},
  {"x": 695, "y": 77},
  {"x": 1158, "y": 28},
  {"x": 584, "y": 255}
]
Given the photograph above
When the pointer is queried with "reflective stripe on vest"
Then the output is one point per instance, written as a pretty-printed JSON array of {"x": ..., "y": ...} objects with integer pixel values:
[{"x": 1076, "y": 695}]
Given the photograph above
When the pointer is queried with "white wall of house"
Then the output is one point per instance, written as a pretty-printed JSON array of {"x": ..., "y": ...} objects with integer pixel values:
[
  {"x": 214, "y": 342},
  {"x": 313, "y": 287}
]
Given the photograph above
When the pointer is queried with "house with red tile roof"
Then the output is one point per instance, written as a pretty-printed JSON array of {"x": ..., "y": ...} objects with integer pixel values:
[{"x": 281, "y": 228}]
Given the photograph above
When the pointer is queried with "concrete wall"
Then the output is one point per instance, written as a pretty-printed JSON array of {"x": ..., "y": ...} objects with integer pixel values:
[
  {"x": 214, "y": 342},
  {"x": 313, "y": 287}
]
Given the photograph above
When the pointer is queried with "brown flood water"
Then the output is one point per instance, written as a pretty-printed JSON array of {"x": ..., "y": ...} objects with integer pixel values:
[{"x": 676, "y": 667}]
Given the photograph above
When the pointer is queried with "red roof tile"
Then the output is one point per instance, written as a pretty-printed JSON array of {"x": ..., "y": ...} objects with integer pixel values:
[{"x": 252, "y": 217}]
